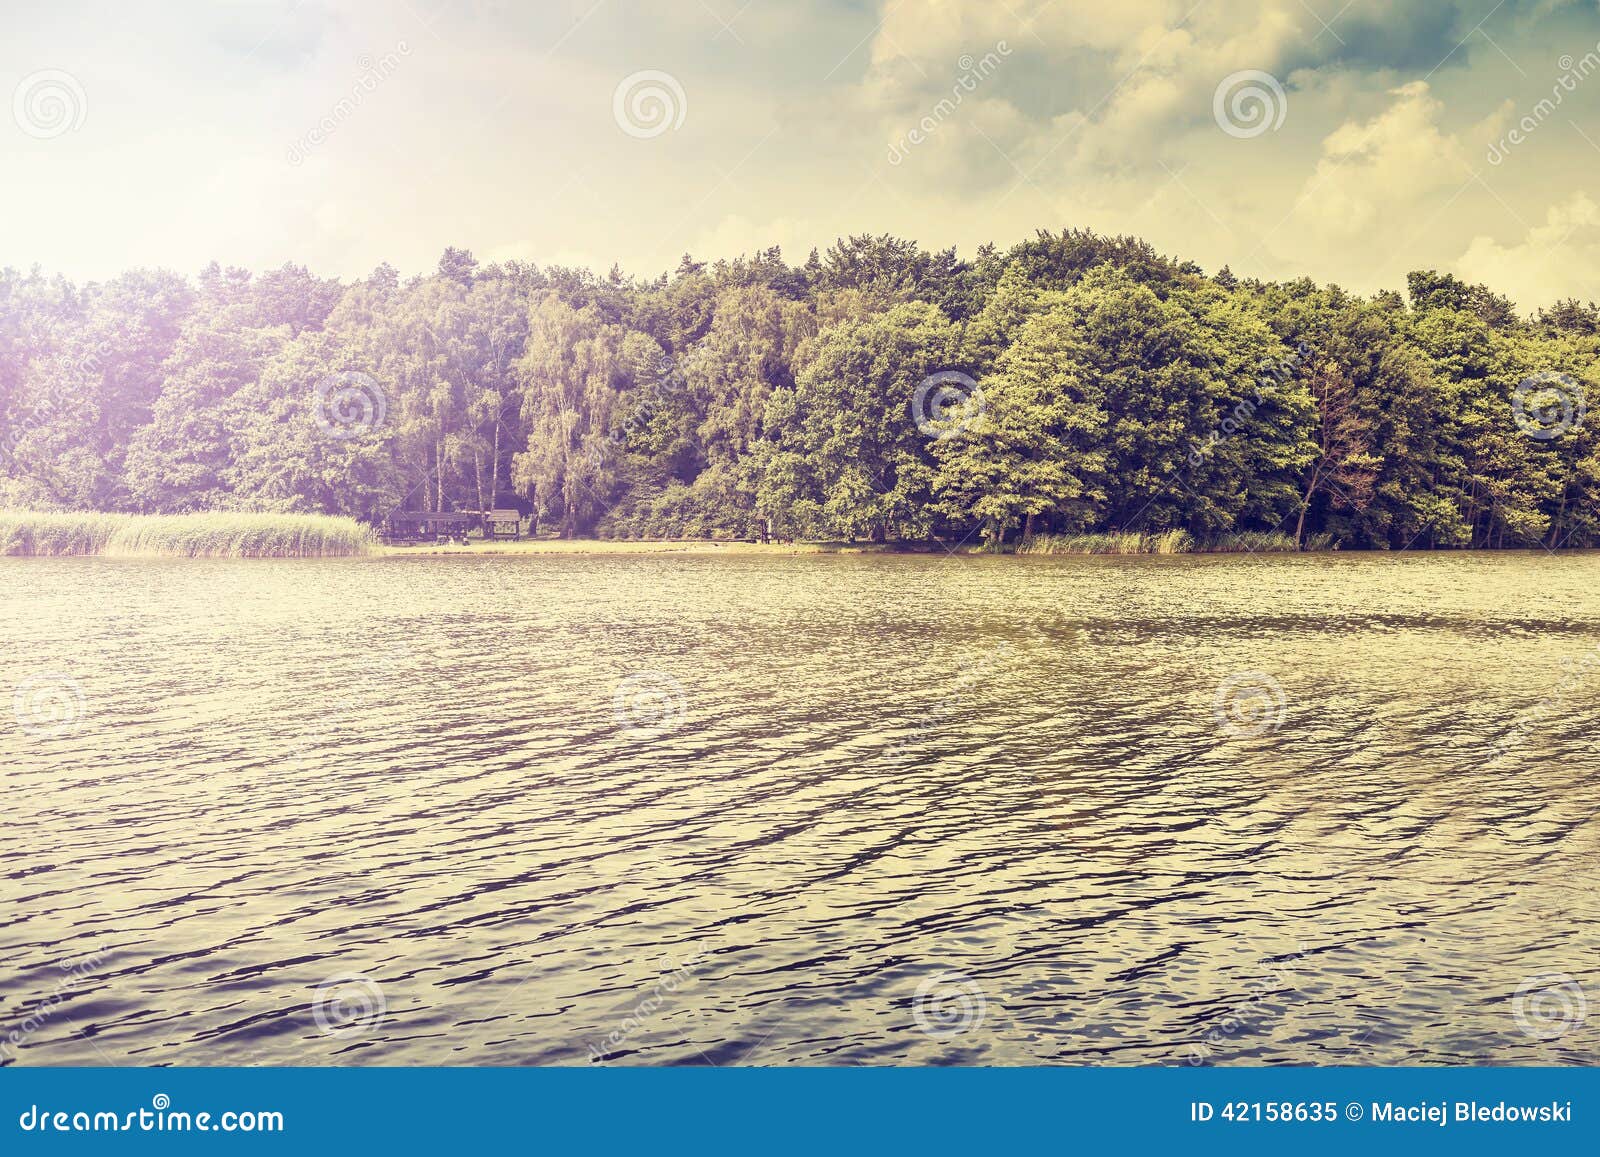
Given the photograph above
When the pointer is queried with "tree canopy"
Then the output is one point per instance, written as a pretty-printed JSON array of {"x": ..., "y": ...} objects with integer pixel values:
[{"x": 875, "y": 391}]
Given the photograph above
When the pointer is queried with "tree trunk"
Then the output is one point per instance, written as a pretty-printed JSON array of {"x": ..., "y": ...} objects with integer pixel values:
[
  {"x": 438, "y": 476},
  {"x": 494, "y": 465},
  {"x": 1027, "y": 527},
  {"x": 1305, "y": 505},
  {"x": 1561, "y": 512}
]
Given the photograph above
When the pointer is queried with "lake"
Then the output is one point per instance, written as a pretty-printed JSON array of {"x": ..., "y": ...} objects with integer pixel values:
[{"x": 822, "y": 809}]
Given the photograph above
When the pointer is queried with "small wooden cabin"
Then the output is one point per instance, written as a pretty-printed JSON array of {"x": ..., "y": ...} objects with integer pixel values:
[
  {"x": 427, "y": 525},
  {"x": 502, "y": 524}
]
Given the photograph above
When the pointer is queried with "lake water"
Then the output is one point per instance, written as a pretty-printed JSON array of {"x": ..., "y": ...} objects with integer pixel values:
[{"x": 771, "y": 809}]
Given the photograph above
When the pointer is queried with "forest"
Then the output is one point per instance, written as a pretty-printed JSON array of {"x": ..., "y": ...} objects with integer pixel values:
[{"x": 878, "y": 392}]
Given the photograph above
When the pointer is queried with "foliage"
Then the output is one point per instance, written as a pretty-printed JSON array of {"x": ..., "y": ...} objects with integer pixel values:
[{"x": 1118, "y": 398}]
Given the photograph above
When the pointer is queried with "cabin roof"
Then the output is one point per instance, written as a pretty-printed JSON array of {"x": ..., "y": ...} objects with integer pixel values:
[{"x": 431, "y": 516}]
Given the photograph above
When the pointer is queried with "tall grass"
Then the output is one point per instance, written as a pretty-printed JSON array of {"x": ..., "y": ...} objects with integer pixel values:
[
  {"x": 1115, "y": 542},
  {"x": 220, "y": 534},
  {"x": 1266, "y": 542},
  {"x": 1253, "y": 542},
  {"x": 27, "y": 532},
  {"x": 1171, "y": 542}
]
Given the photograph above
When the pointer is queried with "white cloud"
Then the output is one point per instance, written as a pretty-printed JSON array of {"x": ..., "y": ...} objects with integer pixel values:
[
  {"x": 1376, "y": 175},
  {"x": 497, "y": 134},
  {"x": 1558, "y": 259}
]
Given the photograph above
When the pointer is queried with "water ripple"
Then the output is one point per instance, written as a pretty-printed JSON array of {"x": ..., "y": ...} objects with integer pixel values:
[{"x": 818, "y": 810}]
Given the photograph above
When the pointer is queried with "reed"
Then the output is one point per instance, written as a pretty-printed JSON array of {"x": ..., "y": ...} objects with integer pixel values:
[
  {"x": 217, "y": 534},
  {"x": 1114, "y": 542},
  {"x": 1253, "y": 542},
  {"x": 1266, "y": 542},
  {"x": 1172, "y": 542}
]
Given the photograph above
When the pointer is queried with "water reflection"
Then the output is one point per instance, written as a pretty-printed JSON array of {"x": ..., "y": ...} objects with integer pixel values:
[{"x": 816, "y": 810}]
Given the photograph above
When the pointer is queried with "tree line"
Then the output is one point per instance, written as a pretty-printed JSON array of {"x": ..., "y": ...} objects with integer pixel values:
[{"x": 1074, "y": 383}]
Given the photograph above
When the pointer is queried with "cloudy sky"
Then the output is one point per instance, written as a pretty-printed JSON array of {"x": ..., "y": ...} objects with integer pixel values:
[{"x": 1347, "y": 141}]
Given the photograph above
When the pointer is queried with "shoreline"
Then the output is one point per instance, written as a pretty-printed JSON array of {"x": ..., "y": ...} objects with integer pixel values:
[
  {"x": 640, "y": 546},
  {"x": 602, "y": 546},
  {"x": 260, "y": 535}
]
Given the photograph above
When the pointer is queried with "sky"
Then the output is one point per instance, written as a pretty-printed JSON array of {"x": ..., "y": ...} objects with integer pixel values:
[{"x": 1345, "y": 140}]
